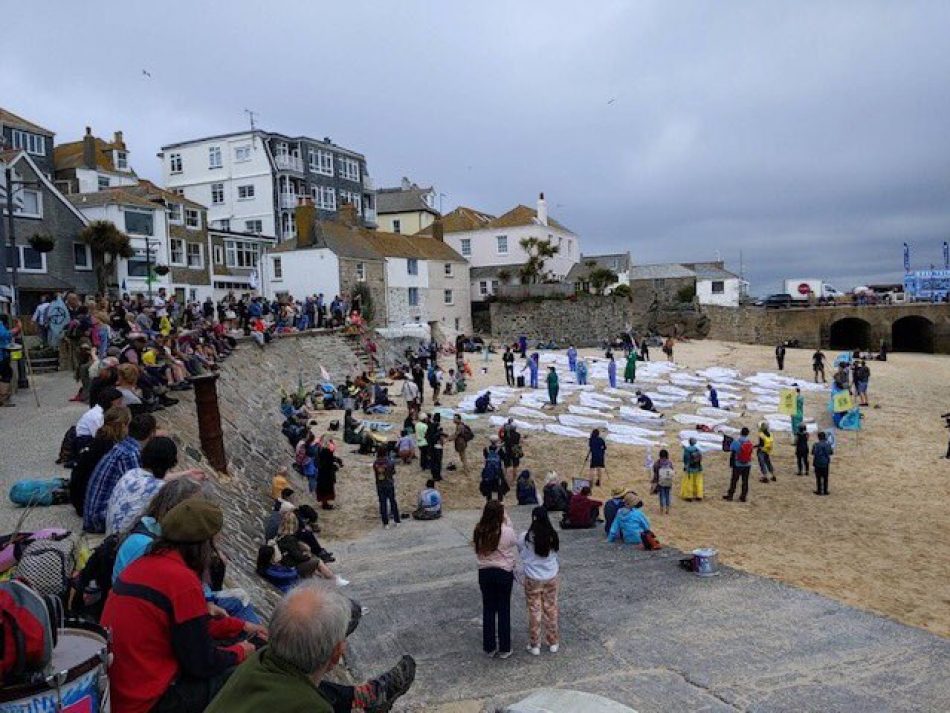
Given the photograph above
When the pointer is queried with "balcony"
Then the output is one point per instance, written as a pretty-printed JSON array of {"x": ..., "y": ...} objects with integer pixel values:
[
  {"x": 288, "y": 201},
  {"x": 369, "y": 216},
  {"x": 368, "y": 184},
  {"x": 286, "y": 162}
]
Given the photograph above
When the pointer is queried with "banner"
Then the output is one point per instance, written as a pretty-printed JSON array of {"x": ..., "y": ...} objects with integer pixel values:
[
  {"x": 946, "y": 255},
  {"x": 842, "y": 402},
  {"x": 906, "y": 257},
  {"x": 786, "y": 402}
]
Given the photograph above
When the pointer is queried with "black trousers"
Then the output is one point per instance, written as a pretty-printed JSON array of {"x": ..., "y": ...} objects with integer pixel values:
[
  {"x": 801, "y": 460},
  {"x": 510, "y": 374},
  {"x": 740, "y": 471},
  {"x": 191, "y": 695},
  {"x": 435, "y": 462},
  {"x": 496, "y": 586},
  {"x": 423, "y": 456},
  {"x": 821, "y": 479}
]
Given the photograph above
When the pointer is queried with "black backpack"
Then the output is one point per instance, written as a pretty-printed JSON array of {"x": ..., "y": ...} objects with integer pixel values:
[{"x": 95, "y": 580}]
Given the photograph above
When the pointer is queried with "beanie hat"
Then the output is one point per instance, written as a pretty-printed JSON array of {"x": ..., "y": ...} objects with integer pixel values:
[{"x": 191, "y": 521}]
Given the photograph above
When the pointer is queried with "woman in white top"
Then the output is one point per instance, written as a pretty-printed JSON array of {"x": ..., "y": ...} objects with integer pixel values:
[
  {"x": 538, "y": 548},
  {"x": 496, "y": 547}
]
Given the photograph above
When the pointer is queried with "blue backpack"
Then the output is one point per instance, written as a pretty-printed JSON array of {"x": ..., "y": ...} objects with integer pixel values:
[
  {"x": 27, "y": 493},
  {"x": 492, "y": 470}
]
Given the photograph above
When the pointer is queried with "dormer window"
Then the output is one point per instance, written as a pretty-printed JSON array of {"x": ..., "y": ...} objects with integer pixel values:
[{"x": 121, "y": 160}]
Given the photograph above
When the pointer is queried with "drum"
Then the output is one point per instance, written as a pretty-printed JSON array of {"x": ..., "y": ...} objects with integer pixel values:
[
  {"x": 78, "y": 681},
  {"x": 706, "y": 562}
]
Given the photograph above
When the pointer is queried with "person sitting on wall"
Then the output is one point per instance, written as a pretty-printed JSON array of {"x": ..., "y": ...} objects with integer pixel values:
[{"x": 430, "y": 503}]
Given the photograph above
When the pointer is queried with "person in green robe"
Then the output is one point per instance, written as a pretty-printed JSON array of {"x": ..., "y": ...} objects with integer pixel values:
[
  {"x": 799, "y": 415},
  {"x": 630, "y": 372},
  {"x": 552, "y": 385}
]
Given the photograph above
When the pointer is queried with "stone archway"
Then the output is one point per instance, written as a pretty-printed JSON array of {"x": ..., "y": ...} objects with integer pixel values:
[
  {"x": 850, "y": 333},
  {"x": 912, "y": 334}
]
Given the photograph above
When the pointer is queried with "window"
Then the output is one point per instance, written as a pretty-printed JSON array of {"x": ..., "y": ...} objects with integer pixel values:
[
  {"x": 354, "y": 199},
  {"x": 412, "y": 266},
  {"x": 103, "y": 182},
  {"x": 325, "y": 197},
  {"x": 31, "y": 143},
  {"x": 214, "y": 157},
  {"x": 137, "y": 267},
  {"x": 245, "y": 192},
  {"x": 196, "y": 256},
  {"x": 280, "y": 149},
  {"x": 320, "y": 161},
  {"x": 174, "y": 212},
  {"x": 224, "y": 224},
  {"x": 278, "y": 269},
  {"x": 192, "y": 218},
  {"x": 138, "y": 222},
  {"x": 218, "y": 255},
  {"x": 502, "y": 244},
  {"x": 658, "y": 282},
  {"x": 240, "y": 253},
  {"x": 178, "y": 191},
  {"x": 449, "y": 269},
  {"x": 397, "y": 226},
  {"x": 447, "y": 296},
  {"x": 174, "y": 162},
  {"x": 254, "y": 226},
  {"x": 242, "y": 153},
  {"x": 217, "y": 193},
  {"x": 570, "y": 247},
  {"x": 349, "y": 169},
  {"x": 483, "y": 288},
  {"x": 28, "y": 260},
  {"x": 176, "y": 251},
  {"x": 413, "y": 296},
  {"x": 82, "y": 256},
  {"x": 494, "y": 286},
  {"x": 121, "y": 160},
  {"x": 466, "y": 247},
  {"x": 32, "y": 204},
  {"x": 718, "y": 287},
  {"x": 360, "y": 271}
]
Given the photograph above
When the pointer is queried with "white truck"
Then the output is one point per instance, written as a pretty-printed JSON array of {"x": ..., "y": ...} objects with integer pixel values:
[{"x": 800, "y": 289}]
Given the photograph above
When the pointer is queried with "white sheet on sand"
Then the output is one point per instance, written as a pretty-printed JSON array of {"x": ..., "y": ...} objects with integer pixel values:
[
  {"x": 663, "y": 400},
  {"x": 786, "y": 426},
  {"x": 687, "y": 380},
  {"x": 568, "y": 419},
  {"x": 638, "y": 415},
  {"x": 585, "y": 411},
  {"x": 633, "y": 430},
  {"x": 529, "y": 413},
  {"x": 690, "y": 419},
  {"x": 673, "y": 390},
  {"x": 715, "y": 412},
  {"x": 731, "y": 401},
  {"x": 591, "y": 397},
  {"x": 448, "y": 414},
  {"x": 719, "y": 373},
  {"x": 559, "y": 430},
  {"x": 772, "y": 380},
  {"x": 705, "y": 446},
  {"x": 630, "y": 440},
  {"x": 767, "y": 390},
  {"x": 760, "y": 406},
  {"x": 523, "y": 425},
  {"x": 533, "y": 400},
  {"x": 685, "y": 435}
]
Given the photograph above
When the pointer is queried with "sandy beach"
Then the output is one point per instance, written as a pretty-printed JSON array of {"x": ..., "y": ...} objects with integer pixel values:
[{"x": 880, "y": 541}]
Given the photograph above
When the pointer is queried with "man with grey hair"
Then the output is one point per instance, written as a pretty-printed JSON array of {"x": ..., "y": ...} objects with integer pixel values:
[{"x": 307, "y": 639}]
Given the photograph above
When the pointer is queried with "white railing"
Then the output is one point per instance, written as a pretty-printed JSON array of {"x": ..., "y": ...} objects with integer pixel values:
[
  {"x": 288, "y": 201},
  {"x": 288, "y": 163}
]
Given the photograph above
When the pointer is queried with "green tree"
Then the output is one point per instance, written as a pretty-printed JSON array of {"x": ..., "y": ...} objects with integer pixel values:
[
  {"x": 539, "y": 252},
  {"x": 687, "y": 293},
  {"x": 622, "y": 291},
  {"x": 601, "y": 278},
  {"x": 108, "y": 244}
]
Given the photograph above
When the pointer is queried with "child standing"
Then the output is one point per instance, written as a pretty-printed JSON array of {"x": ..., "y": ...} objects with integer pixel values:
[{"x": 663, "y": 473}]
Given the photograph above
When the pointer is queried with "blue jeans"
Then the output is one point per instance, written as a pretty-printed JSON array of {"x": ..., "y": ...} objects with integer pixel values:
[
  {"x": 664, "y": 493},
  {"x": 236, "y": 608},
  {"x": 387, "y": 503}
]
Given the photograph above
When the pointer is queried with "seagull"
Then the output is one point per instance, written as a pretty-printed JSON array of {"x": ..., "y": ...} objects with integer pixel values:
[
  {"x": 147, "y": 74},
  {"x": 611, "y": 101}
]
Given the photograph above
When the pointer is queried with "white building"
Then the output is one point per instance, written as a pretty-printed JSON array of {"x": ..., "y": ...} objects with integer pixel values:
[
  {"x": 715, "y": 285},
  {"x": 93, "y": 164},
  {"x": 252, "y": 181},
  {"x": 492, "y": 245}
]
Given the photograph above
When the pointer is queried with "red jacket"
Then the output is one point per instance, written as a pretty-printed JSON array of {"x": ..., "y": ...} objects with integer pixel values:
[
  {"x": 161, "y": 630},
  {"x": 580, "y": 510}
]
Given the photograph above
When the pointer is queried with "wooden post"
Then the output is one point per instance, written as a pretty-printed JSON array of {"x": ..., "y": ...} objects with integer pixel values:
[{"x": 209, "y": 421}]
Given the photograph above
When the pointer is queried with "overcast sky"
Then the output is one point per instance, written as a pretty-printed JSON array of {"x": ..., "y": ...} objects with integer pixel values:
[{"x": 812, "y": 136}]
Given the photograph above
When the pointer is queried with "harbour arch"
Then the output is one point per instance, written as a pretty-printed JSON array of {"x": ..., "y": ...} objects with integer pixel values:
[
  {"x": 850, "y": 333},
  {"x": 912, "y": 333}
]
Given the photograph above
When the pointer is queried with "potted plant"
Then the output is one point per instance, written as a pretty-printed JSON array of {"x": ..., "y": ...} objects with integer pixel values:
[
  {"x": 42, "y": 242},
  {"x": 161, "y": 270}
]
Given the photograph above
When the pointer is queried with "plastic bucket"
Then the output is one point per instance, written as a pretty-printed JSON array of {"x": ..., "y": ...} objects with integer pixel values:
[{"x": 706, "y": 562}]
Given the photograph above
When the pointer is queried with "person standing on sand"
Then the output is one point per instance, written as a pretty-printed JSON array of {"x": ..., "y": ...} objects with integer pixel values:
[
  {"x": 384, "y": 473},
  {"x": 572, "y": 358},
  {"x": 801, "y": 449},
  {"x": 764, "y": 453},
  {"x": 668, "y": 348},
  {"x": 612, "y": 371},
  {"x": 422, "y": 430},
  {"x": 597, "y": 454},
  {"x": 780, "y": 357},
  {"x": 799, "y": 416},
  {"x": 818, "y": 365},
  {"x": 821, "y": 454},
  {"x": 552, "y": 385},
  {"x": 460, "y": 438},
  {"x": 496, "y": 549},
  {"x": 691, "y": 488},
  {"x": 538, "y": 549},
  {"x": 508, "y": 358},
  {"x": 713, "y": 396},
  {"x": 630, "y": 371},
  {"x": 742, "y": 450}
]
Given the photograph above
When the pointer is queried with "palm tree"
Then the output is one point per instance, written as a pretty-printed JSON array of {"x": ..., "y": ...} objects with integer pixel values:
[
  {"x": 108, "y": 244},
  {"x": 538, "y": 251},
  {"x": 601, "y": 278}
]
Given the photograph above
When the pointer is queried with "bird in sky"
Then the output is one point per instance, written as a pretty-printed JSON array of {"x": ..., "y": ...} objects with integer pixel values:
[
  {"x": 147, "y": 73},
  {"x": 611, "y": 101}
]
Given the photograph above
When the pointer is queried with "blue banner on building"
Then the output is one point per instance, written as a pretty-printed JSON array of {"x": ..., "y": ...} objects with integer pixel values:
[{"x": 928, "y": 285}]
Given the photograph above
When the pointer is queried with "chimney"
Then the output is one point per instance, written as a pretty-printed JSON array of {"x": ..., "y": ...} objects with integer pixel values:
[
  {"x": 438, "y": 231},
  {"x": 348, "y": 215},
  {"x": 305, "y": 215},
  {"x": 88, "y": 149},
  {"x": 542, "y": 210},
  {"x": 118, "y": 140}
]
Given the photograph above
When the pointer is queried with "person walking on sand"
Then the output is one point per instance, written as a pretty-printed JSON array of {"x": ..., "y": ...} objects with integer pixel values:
[
  {"x": 818, "y": 365},
  {"x": 597, "y": 454},
  {"x": 552, "y": 385},
  {"x": 612, "y": 371},
  {"x": 538, "y": 548},
  {"x": 713, "y": 396},
  {"x": 801, "y": 449},
  {"x": 630, "y": 371},
  {"x": 496, "y": 549},
  {"x": 821, "y": 454},
  {"x": 780, "y": 356},
  {"x": 668, "y": 348},
  {"x": 764, "y": 453},
  {"x": 663, "y": 474},
  {"x": 691, "y": 488},
  {"x": 384, "y": 472},
  {"x": 460, "y": 438}
]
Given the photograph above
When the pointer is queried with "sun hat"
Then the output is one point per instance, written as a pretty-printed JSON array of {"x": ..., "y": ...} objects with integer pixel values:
[{"x": 191, "y": 521}]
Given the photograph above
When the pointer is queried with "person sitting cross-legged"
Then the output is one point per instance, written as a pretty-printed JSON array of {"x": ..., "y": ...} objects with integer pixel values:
[
  {"x": 430, "y": 503},
  {"x": 582, "y": 511}
]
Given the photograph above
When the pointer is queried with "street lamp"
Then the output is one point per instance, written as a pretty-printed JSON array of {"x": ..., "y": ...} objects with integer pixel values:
[{"x": 12, "y": 187}]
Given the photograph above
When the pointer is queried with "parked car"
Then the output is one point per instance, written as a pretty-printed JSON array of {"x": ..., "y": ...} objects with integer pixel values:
[{"x": 776, "y": 301}]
